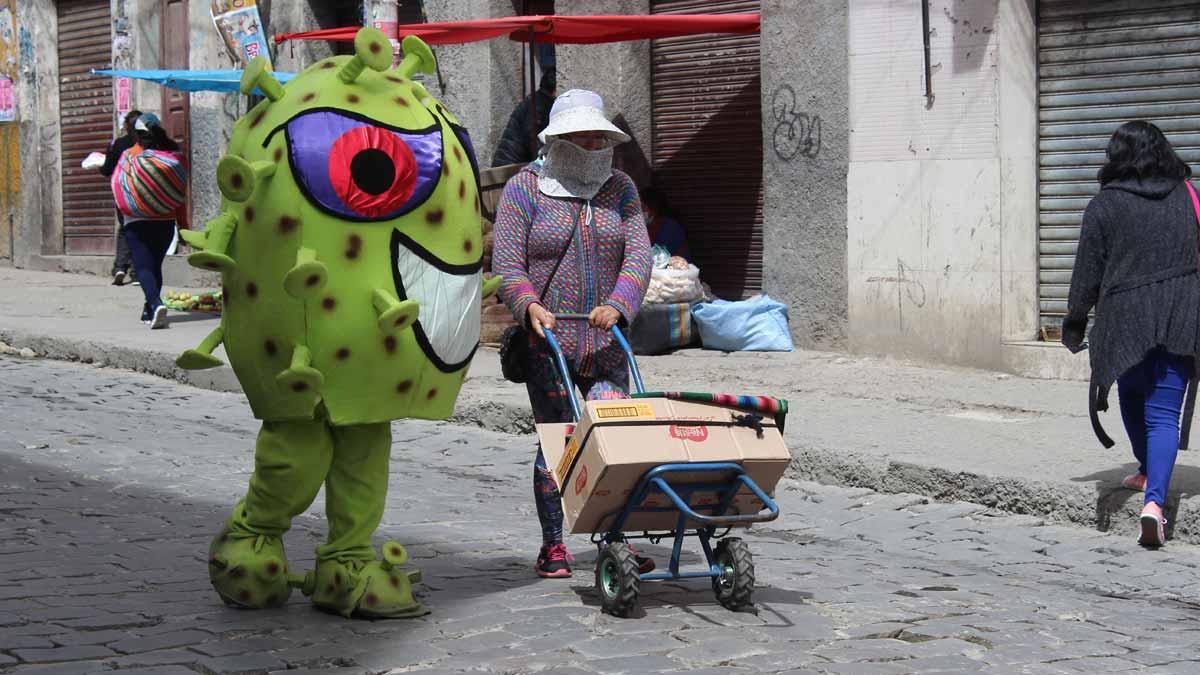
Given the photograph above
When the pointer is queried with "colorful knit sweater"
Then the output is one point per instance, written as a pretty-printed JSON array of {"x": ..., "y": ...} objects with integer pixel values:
[{"x": 607, "y": 260}]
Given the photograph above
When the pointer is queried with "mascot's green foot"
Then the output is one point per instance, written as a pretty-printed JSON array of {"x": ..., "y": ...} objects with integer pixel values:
[
  {"x": 367, "y": 589},
  {"x": 248, "y": 571}
]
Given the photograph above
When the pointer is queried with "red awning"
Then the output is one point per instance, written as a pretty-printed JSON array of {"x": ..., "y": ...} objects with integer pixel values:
[{"x": 557, "y": 29}]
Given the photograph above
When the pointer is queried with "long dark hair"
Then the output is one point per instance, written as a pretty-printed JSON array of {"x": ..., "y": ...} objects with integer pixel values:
[
  {"x": 1139, "y": 150},
  {"x": 157, "y": 139}
]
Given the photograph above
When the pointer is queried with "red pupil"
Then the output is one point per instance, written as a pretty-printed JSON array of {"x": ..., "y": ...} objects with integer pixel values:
[{"x": 373, "y": 171}]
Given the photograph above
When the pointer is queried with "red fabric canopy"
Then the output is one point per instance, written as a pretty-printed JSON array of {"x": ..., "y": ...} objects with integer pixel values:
[{"x": 557, "y": 29}]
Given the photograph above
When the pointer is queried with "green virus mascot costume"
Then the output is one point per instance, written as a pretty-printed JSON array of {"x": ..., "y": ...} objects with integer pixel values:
[{"x": 350, "y": 252}]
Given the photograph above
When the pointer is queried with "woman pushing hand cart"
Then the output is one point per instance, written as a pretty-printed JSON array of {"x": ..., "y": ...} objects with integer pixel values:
[{"x": 682, "y": 464}]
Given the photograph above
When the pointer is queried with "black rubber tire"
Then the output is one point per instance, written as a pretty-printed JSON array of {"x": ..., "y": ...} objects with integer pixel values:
[
  {"x": 735, "y": 589},
  {"x": 617, "y": 580}
]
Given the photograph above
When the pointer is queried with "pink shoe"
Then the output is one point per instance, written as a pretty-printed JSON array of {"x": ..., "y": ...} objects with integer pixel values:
[
  {"x": 1153, "y": 535},
  {"x": 1134, "y": 481},
  {"x": 554, "y": 562}
]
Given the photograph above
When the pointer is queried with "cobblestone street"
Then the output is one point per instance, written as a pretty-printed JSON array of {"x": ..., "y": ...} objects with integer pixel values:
[{"x": 112, "y": 484}]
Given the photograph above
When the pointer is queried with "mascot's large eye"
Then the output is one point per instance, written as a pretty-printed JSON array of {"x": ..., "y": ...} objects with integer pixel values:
[{"x": 358, "y": 169}]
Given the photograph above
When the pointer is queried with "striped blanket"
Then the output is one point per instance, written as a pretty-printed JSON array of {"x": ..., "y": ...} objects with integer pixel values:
[
  {"x": 767, "y": 405},
  {"x": 149, "y": 184}
]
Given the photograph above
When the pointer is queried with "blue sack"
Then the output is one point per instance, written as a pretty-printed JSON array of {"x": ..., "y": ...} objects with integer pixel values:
[{"x": 756, "y": 325}]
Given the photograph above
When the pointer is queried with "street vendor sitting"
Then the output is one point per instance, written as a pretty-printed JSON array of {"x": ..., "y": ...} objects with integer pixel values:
[{"x": 664, "y": 230}]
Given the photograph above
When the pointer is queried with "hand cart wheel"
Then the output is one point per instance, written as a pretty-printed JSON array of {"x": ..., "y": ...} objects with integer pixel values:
[
  {"x": 617, "y": 579},
  {"x": 735, "y": 586}
]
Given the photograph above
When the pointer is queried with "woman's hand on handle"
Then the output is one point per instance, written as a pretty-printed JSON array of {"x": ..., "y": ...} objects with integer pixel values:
[
  {"x": 604, "y": 317},
  {"x": 540, "y": 317}
]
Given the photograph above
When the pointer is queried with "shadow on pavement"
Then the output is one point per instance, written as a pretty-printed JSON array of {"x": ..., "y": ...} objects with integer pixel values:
[
  {"x": 93, "y": 561},
  {"x": 1114, "y": 500}
]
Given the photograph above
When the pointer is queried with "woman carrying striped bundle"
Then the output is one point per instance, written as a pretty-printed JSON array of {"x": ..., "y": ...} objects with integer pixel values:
[{"x": 150, "y": 188}]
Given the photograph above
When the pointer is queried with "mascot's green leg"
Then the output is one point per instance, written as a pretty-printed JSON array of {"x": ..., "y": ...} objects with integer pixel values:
[
  {"x": 246, "y": 561},
  {"x": 348, "y": 579}
]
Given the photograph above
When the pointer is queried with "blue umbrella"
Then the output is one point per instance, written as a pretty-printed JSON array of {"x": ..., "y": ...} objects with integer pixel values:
[{"x": 192, "y": 80}]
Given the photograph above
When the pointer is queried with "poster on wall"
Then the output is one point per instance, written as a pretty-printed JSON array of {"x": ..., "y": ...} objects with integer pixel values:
[
  {"x": 8, "y": 100},
  {"x": 241, "y": 28},
  {"x": 124, "y": 99},
  {"x": 8, "y": 64}
]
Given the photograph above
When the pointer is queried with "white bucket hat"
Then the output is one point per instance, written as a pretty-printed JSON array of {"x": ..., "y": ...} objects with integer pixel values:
[{"x": 580, "y": 110}]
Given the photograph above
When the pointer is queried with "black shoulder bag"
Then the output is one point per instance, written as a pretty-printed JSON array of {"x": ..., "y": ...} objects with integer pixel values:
[{"x": 514, "y": 342}]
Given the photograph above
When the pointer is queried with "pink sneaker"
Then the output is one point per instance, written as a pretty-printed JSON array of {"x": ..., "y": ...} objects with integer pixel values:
[
  {"x": 554, "y": 562},
  {"x": 1153, "y": 535},
  {"x": 1134, "y": 481}
]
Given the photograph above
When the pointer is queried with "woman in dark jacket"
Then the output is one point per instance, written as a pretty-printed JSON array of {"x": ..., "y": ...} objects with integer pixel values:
[{"x": 1137, "y": 266}]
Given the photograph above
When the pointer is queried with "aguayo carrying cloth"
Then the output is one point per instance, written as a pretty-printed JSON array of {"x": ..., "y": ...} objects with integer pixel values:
[
  {"x": 149, "y": 184},
  {"x": 777, "y": 408}
]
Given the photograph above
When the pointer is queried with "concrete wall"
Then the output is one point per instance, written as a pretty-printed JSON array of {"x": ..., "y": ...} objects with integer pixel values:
[
  {"x": 942, "y": 197},
  {"x": 805, "y": 129},
  {"x": 467, "y": 86},
  {"x": 38, "y": 227},
  {"x": 504, "y": 84},
  {"x": 620, "y": 73}
]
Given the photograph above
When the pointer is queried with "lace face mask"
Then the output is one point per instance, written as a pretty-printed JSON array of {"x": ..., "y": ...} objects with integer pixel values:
[{"x": 571, "y": 171}]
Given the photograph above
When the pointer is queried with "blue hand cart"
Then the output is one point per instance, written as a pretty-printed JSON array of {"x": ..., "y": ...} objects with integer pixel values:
[{"x": 730, "y": 564}]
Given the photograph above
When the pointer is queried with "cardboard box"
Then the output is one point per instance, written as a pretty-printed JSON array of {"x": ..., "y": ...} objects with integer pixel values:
[{"x": 599, "y": 461}]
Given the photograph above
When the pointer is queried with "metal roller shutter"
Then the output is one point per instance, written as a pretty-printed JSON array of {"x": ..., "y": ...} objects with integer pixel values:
[
  {"x": 86, "y": 120},
  {"x": 1103, "y": 63},
  {"x": 707, "y": 137}
]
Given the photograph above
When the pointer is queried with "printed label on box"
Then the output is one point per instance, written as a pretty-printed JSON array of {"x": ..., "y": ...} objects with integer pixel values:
[
  {"x": 581, "y": 480},
  {"x": 564, "y": 465},
  {"x": 611, "y": 411},
  {"x": 688, "y": 433}
]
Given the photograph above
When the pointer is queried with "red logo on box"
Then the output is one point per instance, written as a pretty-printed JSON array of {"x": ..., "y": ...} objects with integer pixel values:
[
  {"x": 581, "y": 480},
  {"x": 686, "y": 433}
]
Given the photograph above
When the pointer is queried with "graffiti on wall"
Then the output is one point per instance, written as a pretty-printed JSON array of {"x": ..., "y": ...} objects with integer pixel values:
[
  {"x": 796, "y": 133},
  {"x": 907, "y": 287},
  {"x": 8, "y": 38}
]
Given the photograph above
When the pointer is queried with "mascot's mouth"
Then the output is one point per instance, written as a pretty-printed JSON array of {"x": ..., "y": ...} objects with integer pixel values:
[{"x": 447, "y": 327}]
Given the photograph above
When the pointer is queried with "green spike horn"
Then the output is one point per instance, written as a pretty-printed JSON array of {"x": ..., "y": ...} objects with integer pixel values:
[
  {"x": 258, "y": 74},
  {"x": 418, "y": 57},
  {"x": 372, "y": 50},
  {"x": 237, "y": 178}
]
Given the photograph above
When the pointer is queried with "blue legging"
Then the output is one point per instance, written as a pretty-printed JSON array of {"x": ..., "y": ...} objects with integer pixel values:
[
  {"x": 1151, "y": 398},
  {"x": 148, "y": 243}
]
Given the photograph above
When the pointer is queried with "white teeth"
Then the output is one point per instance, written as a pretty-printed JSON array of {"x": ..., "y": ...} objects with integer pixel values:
[{"x": 449, "y": 313}]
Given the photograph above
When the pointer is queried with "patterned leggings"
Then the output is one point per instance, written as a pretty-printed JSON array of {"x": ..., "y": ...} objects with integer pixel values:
[{"x": 548, "y": 400}]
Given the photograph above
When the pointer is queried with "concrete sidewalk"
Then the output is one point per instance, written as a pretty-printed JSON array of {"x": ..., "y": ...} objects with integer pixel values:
[{"x": 1018, "y": 444}]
